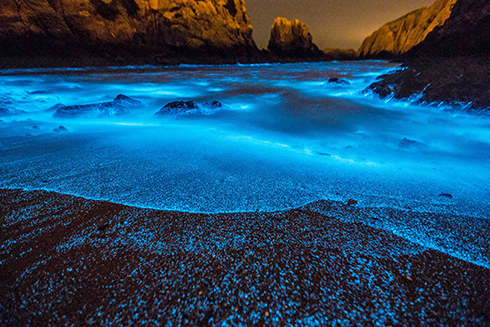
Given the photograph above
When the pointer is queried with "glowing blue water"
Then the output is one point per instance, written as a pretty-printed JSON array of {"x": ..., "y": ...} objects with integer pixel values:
[{"x": 286, "y": 137}]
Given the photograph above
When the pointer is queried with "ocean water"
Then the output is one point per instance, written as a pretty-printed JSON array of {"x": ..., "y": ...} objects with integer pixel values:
[{"x": 284, "y": 137}]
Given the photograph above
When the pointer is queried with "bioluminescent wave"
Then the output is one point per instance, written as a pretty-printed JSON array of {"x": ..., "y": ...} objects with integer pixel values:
[{"x": 284, "y": 135}]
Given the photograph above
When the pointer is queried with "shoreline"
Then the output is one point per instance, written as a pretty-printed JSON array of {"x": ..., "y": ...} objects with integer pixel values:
[{"x": 71, "y": 260}]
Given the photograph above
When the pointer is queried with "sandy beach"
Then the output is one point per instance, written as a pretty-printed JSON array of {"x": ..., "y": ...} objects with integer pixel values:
[{"x": 66, "y": 260}]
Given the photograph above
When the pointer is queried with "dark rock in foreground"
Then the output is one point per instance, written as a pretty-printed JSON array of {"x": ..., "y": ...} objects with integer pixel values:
[
  {"x": 68, "y": 260},
  {"x": 120, "y": 106},
  {"x": 449, "y": 80},
  {"x": 189, "y": 108}
]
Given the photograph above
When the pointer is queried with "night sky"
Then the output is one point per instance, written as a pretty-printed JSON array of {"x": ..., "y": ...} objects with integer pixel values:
[{"x": 333, "y": 23}]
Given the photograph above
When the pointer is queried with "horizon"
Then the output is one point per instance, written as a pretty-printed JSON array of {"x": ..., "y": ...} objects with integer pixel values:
[{"x": 360, "y": 19}]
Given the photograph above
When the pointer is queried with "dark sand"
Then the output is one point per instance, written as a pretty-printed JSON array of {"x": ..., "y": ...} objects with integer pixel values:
[{"x": 66, "y": 260}]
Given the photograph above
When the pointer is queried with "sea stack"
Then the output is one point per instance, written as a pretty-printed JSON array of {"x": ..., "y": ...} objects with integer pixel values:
[
  {"x": 398, "y": 37},
  {"x": 292, "y": 39},
  {"x": 136, "y": 31}
]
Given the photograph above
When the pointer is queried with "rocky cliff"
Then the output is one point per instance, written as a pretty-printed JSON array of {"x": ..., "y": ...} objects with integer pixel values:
[
  {"x": 292, "y": 39},
  {"x": 148, "y": 30},
  {"x": 401, "y": 35},
  {"x": 452, "y": 64},
  {"x": 466, "y": 32}
]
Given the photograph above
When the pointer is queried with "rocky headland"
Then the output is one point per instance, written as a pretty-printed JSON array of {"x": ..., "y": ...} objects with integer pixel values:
[
  {"x": 451, "y": 65},
  {"x": 97, "y": 32},
  {"x": 398, "y": 37}
]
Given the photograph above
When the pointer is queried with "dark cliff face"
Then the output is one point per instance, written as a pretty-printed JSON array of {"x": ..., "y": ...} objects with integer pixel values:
[
  {"x": 397, "y": 37},
  {"x": 466, "y": 32},
  {"x": 452, "y": 64},
  {"x": 118, "y": 30},
  {"x": 292, "y": 39}
]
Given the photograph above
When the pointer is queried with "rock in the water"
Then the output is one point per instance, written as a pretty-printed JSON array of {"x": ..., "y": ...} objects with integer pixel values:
[
  {"x": 35, "y": 127},
  {"x": 401, "y": 35},
  {"x": 407, "y": 143},
  {"x": 60, "y": 129},
  {"x": 190, "y": 108},
  {"x": 120, "y": 106},
  {"x": 55, "y": 107},
  {"x": 446, "y": 195},
  {"x": 124, "y": 31},
  {"x": 351, "y": 202},
  {"x": 340, "y": 54},
  {"x": 213, "y": 105},
  {"x": 338, "y": 81},
  {"x": 292, "y": 39}
]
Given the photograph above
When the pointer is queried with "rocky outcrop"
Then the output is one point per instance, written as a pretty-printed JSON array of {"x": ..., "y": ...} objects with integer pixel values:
[
  {"x": 340, "y": 54},
  {"x": 451, "y": 65},
  {"x": 401, "y": 35},
  {"x": 465, "y": 33},
  {"x": 186, "y": 108},
  {"x": 120, "y": 106},
  {"x": 292, "y": 39},
  {"x": 113, "y": 31}
]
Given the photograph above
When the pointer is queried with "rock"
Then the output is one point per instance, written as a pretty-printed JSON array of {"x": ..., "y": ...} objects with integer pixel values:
[
  {"x": 60, "y": 129},
  {"x": 464, "y": 33},
  {"x": 351, "y": 202},
  {"x": 340, "y": 54},
  {"x": 120, "y": 106},
  {"x": 406, "y": 144},
  {"x": 446, "y": 195},
  {"x": 190, "y": 108},
  {"x": 339, "y": 81},
  {"x": 55, "y": 107},
  {"x": 213, "y": 105},
  {"x": 88, "y": 32},
  {"x": 452, "y": 64},
  {"x": 398, "y": 37},
  {"x": 178, "y": 107},
  {"x": 292, "y": 39},
  {"x": 35, "y": 127}
]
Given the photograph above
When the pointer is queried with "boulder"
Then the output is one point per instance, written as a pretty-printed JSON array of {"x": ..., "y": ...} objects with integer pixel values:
[
  {"x": 60, "y": 129},
  {"x": 351, "y": 202},
  {"x": 91, "y": 32},
  {"x": 292, "y": 39},
  {"x": 338, "y": 81},
  {"x": 120, "y": 106},
  {"x": 398, "y": 37},
  {"x": 189, "y": 108}
]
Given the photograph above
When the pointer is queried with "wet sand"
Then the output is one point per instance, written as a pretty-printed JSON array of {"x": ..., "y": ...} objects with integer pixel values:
[{"x": 66, "y": 260}]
